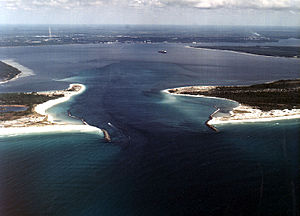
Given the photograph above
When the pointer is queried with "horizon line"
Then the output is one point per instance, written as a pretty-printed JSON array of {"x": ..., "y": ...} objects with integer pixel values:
[{"x": 114, "y": 24}]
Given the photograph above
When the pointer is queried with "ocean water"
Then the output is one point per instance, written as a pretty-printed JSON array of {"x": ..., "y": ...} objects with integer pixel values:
[{"x": 162, "y": 160}]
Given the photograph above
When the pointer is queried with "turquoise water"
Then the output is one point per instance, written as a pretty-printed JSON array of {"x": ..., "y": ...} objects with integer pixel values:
[{"x": 162, "y": 160}]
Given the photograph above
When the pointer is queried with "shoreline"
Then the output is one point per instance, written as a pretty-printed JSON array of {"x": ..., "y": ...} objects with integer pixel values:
[
  {"x": 43, "y": 107},
  {"x": 24, "y": 70},
  {"x": 68, "y": 128},
  {"x": 166, "y": 91},
  {"x": 242, "y": 113},
  {"x": 52, "y": 126},
  {"x": 240, "y": 52},
  {"x": 12, "y": 79},
  {"x": 253, "y": 115}
]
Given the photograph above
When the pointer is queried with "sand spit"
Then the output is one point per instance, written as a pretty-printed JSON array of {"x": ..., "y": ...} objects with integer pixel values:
[
  {"x": 42, "y": 122},
  {"x": 49, "y": 129},
  {"x": 235, "y": 52},
  {"x": 24, "y": 70},
  {"x": 203, "y": 88},
  {"x": 42, "y": 108},
  {"x": 241, "y": 113}
]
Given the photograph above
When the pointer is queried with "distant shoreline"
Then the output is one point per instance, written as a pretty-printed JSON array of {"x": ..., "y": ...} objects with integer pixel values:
[
  {"x": 8, "y": 72},
  {"x": 241, "y": 113},
  {"x": 23, "y": 71},
  {"x": 252, "y": 52}
]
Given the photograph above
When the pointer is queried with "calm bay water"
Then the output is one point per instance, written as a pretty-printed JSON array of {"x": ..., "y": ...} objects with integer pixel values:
[{"x": 163, "y": 160}]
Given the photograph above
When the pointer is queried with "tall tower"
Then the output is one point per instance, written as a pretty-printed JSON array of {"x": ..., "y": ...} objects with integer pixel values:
[{"x": 50, "y": 35}]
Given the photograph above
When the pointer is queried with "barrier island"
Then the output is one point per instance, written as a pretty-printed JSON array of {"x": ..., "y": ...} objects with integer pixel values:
[{"x": 261, "y": 102}]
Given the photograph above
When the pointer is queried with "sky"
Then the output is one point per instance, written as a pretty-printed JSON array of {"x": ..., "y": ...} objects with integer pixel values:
[{"x": 165, "y": 12}]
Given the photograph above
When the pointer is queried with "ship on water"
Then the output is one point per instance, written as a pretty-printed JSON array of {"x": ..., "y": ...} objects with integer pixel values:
[{"x": 163, "y": 51}]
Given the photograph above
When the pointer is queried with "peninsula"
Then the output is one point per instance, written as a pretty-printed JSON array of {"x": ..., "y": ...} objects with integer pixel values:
[
  {"x": 26, "y": 112},
  {"x": 7, "y": 72},
  {"x": 276, "y": 51},
  {"x": 261, "y": 102}
]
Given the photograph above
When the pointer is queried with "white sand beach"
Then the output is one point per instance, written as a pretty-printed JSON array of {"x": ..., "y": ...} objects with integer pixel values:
[
  {"x": 242, "y": 113},
  {"x": 166, "y": 91},
  {"x": 42, "y": 108},
  {"x": 19, "y": 126},
  {"x": 50, "y": 129}
]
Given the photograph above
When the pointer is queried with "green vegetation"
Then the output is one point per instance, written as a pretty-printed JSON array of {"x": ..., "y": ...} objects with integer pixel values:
[
  {"x": 27, "y": 99},
  {"x": 7, "y": 72},
  {"x": 282, "y": 94},
  {"x": 260, "y": 50}
]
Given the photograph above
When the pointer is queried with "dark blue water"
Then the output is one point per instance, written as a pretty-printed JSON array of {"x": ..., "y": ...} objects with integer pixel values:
[{"x": 163, "y": 160}]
